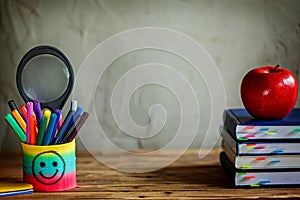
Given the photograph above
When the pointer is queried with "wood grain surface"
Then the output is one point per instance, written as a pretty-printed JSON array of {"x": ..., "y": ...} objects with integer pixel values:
[{"x": 187, "y": 178}]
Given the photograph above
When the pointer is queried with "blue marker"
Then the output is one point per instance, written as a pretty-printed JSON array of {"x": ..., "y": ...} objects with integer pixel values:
[
  {"x": 68, "y": 120},
  {"x": 48, "y": 134},
  {"x": 58, "y": 114},
  {"x": 76, "y": 115},
  {"x": 70, "y": 130},
  {"x": 78, "y": 112}
]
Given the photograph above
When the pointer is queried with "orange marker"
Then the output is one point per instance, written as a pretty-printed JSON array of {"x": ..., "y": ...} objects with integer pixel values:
[
  {"x": 19, "y": 119},
  {"x": 33, "y": 134},
  {"x": 17, "y": 115}
]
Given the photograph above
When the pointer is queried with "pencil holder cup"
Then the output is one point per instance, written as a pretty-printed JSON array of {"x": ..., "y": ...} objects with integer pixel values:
[{"x": 50, "y": 168}]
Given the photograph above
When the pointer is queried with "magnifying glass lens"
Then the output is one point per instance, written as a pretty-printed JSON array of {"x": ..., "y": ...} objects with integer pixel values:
[{"x": 45, "y": 78}]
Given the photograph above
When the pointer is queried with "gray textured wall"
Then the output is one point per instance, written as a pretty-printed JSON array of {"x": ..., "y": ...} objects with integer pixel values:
[{"x": 237, "y": 34}]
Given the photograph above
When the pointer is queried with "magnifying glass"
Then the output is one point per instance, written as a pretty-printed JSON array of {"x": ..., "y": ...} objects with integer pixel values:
[{"x": 45, "y": 74}]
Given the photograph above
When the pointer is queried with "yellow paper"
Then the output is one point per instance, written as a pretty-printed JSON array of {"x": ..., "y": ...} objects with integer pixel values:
[{"x": 9, "y": 186}]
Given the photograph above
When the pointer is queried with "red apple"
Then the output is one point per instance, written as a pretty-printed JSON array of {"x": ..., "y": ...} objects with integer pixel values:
[{"x": 269, "y": 92}]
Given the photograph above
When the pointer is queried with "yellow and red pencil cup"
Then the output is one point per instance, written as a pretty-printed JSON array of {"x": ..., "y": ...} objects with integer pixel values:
[{"x": 50, "y": 168}]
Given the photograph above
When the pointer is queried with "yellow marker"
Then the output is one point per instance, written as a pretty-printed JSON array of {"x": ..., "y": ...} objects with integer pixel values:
[
  {"x": 19, "y": 119},
  {"x": 47, "y": 114},
  {"x": 271, "y": 132}
]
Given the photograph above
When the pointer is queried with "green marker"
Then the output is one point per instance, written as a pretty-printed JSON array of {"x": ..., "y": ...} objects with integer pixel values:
[
  {"x": 41, "y": 133},
  {"x": 15, "y": 126}
]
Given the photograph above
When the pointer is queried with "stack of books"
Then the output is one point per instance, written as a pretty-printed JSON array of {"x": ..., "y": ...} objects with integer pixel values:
[{"x": 261, "y": 152}]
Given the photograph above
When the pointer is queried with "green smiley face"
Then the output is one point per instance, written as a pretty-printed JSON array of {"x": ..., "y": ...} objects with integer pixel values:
[{"x": 48, "y": 167}]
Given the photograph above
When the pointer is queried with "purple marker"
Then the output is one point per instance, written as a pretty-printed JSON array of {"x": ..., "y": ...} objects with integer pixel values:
[{"x": 38, "y": 111}]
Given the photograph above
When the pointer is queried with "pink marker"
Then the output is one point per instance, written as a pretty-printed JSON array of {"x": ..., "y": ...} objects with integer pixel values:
[{"x": 29, "y": 107}]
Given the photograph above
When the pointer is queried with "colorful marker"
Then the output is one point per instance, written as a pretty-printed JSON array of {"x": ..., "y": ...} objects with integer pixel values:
[
  {"x": 33, "y": 134},
  {"x": 69, "y": 120},
  {"x": 74, "y": 105},
  {"x": 12, "y": 105},
  {"x": 19, "y": 119},
  {"x": 29, "y": 132},
  {"x": 38, "y": 111},
  {"x": 78, "y": 113},
  {"x": 23, "y": 110},
  {"x": 78, "y": 126},
  {"x": 14, "y": 125},
  {"x": 70, "y": 130},
  {"x": 48, "y": 134},
  {"x": 58, "y": 114},
  {"x": 60, "y": 121},
  {"x": 29, "y": 107},
  {"x": 47, "y": 114},
  {"x": 41, "y": 132},
  {"x": 17, "y": 115},
  {"x": 24, "y": 122}
]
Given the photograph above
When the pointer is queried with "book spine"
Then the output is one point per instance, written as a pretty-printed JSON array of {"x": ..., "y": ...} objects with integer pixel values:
[
  {"x": 227, "y": 166},
  {"x": 233, "y": 145},
  {"x": 229, "y": 152},
  {"x": 230, "y": 122}
]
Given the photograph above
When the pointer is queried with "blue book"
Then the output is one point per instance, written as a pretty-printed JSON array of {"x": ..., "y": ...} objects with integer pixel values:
[
  {"x": 242, "y": 126},
  {"x": 261, "y": 162},
  {"x": 261, "y": 177},
  {"x": 260, "y": 147}
]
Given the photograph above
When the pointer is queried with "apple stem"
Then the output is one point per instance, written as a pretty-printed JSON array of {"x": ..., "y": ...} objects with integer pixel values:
[{"x": 274, "y": 69}]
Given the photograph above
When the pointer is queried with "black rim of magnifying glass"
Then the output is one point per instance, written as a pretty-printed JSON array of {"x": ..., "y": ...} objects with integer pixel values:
[{"x": 46, "y": 50}]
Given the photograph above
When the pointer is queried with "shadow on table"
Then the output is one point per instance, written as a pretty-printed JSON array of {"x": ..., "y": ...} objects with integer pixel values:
[{"x": 208, "y": 176}]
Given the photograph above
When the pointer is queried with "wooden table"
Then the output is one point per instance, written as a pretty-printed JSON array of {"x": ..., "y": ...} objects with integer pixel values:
[{"x": 187, "y": 178}]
